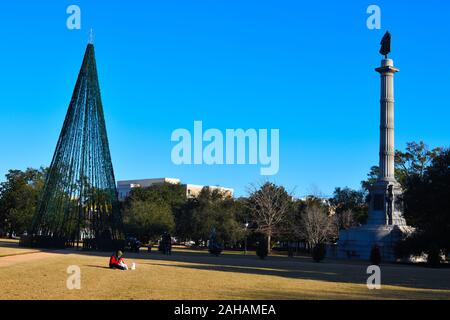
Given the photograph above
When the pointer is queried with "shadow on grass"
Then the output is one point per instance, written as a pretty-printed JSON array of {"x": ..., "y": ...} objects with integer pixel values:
[
  {"x": 294, "y": 268},
  {"x": 96, "y": 266},
  {"x": 305, "y": 268},
  {"x": 336, "y": 294}
]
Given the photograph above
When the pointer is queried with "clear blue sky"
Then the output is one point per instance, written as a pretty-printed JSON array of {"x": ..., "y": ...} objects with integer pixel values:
[{"x": 306, "y": 68}]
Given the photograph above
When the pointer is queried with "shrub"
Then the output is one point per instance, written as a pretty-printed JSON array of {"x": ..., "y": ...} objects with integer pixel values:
[
  {"x": 318, "y": 252},
  {"x": 215, "y": 250},
  {"x": 434, "y": 256},
  {"x": 375, "y": 255},
  {"x": 262, "y": 251},
  {"x": 419, "y": 243}
]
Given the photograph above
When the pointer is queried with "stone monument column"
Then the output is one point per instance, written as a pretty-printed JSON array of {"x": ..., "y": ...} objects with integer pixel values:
[
  {"x": 385, "y": 225},
  {"x": 387, "y": 148},
  {"x": 385, "y": 205}
]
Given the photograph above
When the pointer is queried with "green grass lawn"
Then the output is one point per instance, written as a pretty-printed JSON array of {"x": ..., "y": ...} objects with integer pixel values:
[{"x": 192, "y": 274}]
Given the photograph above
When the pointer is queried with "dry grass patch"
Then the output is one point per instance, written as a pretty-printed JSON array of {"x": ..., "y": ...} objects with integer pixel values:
[{"x": 192, "y": 275}]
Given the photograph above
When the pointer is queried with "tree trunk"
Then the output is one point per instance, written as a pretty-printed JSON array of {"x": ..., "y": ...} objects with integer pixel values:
[{"x": 269, "y": 248}]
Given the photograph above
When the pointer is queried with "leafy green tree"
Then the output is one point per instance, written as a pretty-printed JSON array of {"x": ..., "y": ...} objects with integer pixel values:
[
  {"x": 148, "y": 220},
  {"x": 414, "y": 161},
  {"x": 242, "y": 210},
  {"x": 215, "y": 210},
  {"x": 347, "y": 201},
  {"x": 408, "y": 164},
  {"x": 171, "y": 194},
  {"x": 19, "y": 198},
  {"x": 184, "y": 225},
  {"x": 372, "y": 177},
  {"x": 148, "y": 212},
  {"x": 427, "y": 203}
]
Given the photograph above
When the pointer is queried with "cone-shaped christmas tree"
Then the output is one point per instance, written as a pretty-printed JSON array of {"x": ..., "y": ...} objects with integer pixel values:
[{"x": 79, "y": 201}]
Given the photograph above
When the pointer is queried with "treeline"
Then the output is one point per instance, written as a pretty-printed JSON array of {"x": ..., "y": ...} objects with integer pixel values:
[{"x": 268, "y": 212}]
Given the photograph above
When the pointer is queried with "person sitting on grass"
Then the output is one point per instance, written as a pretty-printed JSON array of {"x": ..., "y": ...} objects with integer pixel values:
[{"x": 116, "y": 261}]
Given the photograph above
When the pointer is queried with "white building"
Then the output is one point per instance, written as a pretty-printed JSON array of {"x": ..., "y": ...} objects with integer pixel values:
[{"x": 192, "y": 190}]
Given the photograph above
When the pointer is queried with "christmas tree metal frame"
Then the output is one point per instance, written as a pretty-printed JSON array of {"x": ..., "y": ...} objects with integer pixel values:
[{"x": 79, "y": 204}]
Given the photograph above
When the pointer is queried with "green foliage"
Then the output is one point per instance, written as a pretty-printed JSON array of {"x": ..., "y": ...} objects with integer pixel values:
[
  {"x": 346, "y": 199},
  {"x": 214, "y": 210},
  {"x": 19, "y": 197},
  {"x": 171, "y": 194},
  {"x": 148, "y": 220},
  {"x": 183, "y": 219},
  {"x": 291, "y": 225},
  {"x": 414, "y": 161},
  {"x": 427, "y": 203},
  {"x": 148, "y": 212},
  {"x": 411, "y": 163},
  {"x": 192, "y": 218},
  {"x": 372, "y": 177},
  {"x": 242, "y": 210},
  {"x": 419, "y": 243}
]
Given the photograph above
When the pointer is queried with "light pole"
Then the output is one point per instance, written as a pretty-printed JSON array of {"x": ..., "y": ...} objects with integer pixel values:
[{"x": 245, "y": 241}]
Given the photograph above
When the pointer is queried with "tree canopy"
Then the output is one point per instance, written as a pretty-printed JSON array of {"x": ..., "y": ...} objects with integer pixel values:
[
  {"x": 148, "y": 212},
  {"x": 19, "y": 197},
  {"x": 427, "y": 204}
]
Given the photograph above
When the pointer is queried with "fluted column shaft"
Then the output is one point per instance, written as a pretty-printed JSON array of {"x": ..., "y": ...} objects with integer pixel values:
[{"x": 387, "y": 146}]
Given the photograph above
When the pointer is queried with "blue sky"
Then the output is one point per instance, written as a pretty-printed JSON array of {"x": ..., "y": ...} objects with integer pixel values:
[{"x": 306, "y": 68}]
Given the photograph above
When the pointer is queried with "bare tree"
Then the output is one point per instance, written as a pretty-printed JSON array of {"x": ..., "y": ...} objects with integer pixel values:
[
  {"x": 269, "y": 205},
  {"x": 317, "y": 226},
  {"x": 346, "y": 219}
]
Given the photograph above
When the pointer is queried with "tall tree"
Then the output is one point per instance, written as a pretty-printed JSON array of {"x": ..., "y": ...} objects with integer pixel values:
[
  {"x": 148, "y": 220},
  {"x": 317, "y": 225},
  {"x": 349, "y": 202},
  {"x": 216, "y": 210},
  {"x": 372, "y": 177},
  {"x": 148, "y": 212},
  {"x": 434, "y": 186},
  {"x": 184, "y": 224},
  {"x": 292, "y": 225},
  {"x": 173, "y": 195},
  {"x": 414, "y": 161},
  {"x": 269, "y": 205},
  {"x": 409, "y": 163},
  {"x": 427, "y": 204},
  {"x": 19, "y": 197}
]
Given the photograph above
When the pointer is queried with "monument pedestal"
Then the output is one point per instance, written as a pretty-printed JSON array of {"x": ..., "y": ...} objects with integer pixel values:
[
  {"x": 386, "y": 205},
  {"x": 357, "y": 243},
  {"x": 385, "y": 226}
]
